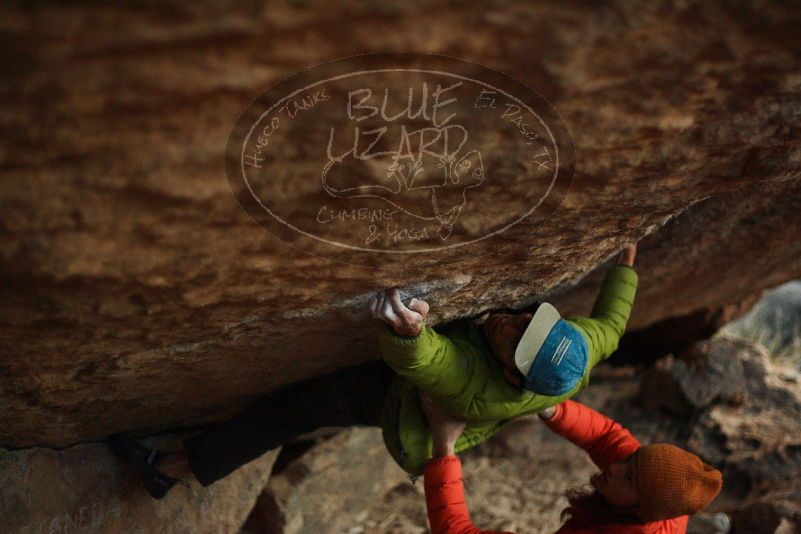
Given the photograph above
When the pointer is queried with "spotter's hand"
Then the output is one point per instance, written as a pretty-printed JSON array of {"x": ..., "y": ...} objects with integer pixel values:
[
  {"x": 445, "y": 429},
  {"x": 406, "y": 321}
]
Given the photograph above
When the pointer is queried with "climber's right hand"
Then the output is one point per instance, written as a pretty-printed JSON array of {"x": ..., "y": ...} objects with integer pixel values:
[{"x": 406, "y": 321}]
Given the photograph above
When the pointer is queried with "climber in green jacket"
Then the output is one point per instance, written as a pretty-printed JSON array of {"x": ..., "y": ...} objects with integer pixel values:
[
  {"x": 487, "y": 377},
  {"x": 513, "y": 364}
]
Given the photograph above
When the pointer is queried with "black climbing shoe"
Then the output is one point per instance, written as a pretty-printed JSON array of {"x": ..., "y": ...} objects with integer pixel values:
[{"x": 144, "y": 460}]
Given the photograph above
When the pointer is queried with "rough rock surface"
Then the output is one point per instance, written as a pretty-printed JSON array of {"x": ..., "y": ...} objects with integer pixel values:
[
  {"x": 85, "y": 488},
  {"x": 137, "y": 295}
]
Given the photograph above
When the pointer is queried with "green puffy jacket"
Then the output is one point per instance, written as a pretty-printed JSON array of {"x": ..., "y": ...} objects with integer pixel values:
[{"x": 455, "y": 366}]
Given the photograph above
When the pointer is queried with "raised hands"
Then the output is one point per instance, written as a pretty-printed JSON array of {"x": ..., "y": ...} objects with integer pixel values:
[{"x": 406, "y": 321}]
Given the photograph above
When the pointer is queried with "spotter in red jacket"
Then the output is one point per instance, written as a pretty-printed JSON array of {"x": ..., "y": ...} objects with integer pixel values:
[{"x": 605, "y": 441}]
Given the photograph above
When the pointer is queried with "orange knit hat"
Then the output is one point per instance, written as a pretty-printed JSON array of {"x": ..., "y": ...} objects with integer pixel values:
[{"x": 672, "y": 482}]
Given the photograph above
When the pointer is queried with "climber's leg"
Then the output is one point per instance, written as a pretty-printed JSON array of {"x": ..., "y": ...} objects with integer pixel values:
[{"x": 354, "y": 396}]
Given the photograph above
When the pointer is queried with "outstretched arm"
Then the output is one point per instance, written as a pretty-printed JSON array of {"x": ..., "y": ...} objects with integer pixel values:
[
  {"x": 445, "y": 501},
  {"x": 611, "y": 310},
  {"x": 605, "y": 440}
]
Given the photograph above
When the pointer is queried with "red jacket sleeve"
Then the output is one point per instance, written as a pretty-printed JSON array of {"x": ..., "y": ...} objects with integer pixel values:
[
  {"x": 604, "y": 439},
  {"x": 447, "y": 509}
]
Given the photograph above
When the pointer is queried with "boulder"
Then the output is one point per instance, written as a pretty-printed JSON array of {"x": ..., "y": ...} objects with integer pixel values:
[{"x": 138, "y": 295}]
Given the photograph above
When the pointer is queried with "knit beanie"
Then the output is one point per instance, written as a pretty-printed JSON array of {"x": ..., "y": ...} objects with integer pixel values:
[{"x": 672, "y": 482}]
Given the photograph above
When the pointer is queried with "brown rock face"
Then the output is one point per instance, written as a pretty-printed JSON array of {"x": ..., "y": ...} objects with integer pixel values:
[{"x": 137, "y": 295}]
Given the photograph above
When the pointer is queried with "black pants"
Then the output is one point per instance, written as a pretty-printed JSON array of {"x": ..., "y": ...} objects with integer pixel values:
[{"x": 354, "y": 396}]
